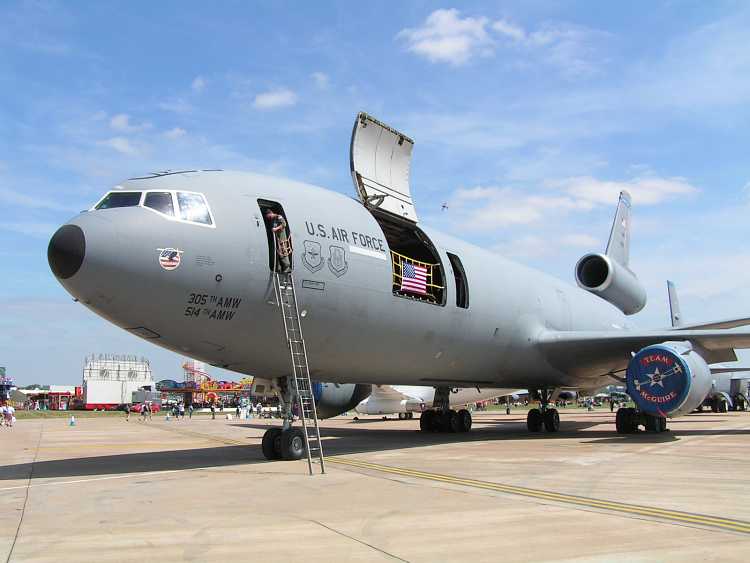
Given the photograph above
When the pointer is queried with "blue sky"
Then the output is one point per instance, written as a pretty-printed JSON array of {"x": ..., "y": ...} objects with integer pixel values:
[{"x": 528, "y": 119}]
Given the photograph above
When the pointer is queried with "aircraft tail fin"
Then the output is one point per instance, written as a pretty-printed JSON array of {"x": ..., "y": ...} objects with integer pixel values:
[
  {"x": 618, "y": 246},
  {"x": 674, "y": 305}
]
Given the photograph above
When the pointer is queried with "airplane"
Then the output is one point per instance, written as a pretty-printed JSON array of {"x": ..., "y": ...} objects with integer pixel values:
[
  {"x": 405, "y": 400},
  {"x": 729, "y": 384},
  {"x": 188, "y": 260}
]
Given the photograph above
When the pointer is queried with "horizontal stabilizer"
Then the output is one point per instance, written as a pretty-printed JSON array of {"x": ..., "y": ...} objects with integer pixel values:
[
  {"x": 729, "y": 323},
  {"x": 729, "y": 370}
]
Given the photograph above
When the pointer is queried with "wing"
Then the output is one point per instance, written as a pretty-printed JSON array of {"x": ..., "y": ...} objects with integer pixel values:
[
  {"x": 386, "y": 393},
  {"x": 592, "y": 353}
]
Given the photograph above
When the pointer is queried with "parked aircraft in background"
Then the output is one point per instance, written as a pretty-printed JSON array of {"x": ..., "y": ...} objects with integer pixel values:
[
  {"x": 187, "y": 260},
  {"x": 405, "y": 400}
]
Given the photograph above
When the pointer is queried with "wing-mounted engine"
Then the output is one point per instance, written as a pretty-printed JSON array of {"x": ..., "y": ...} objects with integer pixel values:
[
  {"x": 332, "y": 399},
  {"x": 607, "y": 275},
  {"x": 669, "y": 379}
]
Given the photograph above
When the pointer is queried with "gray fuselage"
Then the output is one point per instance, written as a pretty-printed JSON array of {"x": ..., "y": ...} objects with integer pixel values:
[{"x": 219, "y": 304}]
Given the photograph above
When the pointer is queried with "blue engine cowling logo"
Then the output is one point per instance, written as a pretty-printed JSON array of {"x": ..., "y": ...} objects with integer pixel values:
[{"x": 658, "y": 380}]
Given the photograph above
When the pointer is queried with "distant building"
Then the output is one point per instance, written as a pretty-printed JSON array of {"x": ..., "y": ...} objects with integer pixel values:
[{"x": 110, "y": 379}]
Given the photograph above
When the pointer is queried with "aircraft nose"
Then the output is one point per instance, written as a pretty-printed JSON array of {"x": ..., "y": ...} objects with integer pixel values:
[{"x": 66, "y": 251}]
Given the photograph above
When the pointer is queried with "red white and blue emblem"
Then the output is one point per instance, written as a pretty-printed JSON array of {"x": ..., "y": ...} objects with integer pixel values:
[
  {"x": 169, "y": 258},
  {"x": 658, "y": 380}
]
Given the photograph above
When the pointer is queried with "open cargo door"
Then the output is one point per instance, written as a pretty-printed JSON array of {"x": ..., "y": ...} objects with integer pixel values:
[{"x": 380, "y": 159}]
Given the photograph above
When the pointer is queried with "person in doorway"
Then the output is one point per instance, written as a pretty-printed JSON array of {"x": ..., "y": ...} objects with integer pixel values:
[{"x": 283, "y": 245}]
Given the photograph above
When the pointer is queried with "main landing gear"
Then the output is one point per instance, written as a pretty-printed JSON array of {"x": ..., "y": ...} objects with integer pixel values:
[
  {"x": 405, "y": 415},
  {"x": 543, "y": 417},
  {"x": 628, "y": 419},
  {"x": 285, "y": 443},
  {"x": 441, "y": 418}
]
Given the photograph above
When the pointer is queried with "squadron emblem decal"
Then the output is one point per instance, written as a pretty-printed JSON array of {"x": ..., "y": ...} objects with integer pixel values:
[
  {"x": 169, "y": 258},
  {"x": 312, "y": 257},
  {"x": 337, "y": 262}
]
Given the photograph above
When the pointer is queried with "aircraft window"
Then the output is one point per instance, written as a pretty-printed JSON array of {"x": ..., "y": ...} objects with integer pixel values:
[
  {"x": 462, "y": 287},
  {"x": 161, "y": 202},
  {"x": 193, "y": 208},
  {"x": 120, "y": 199}
]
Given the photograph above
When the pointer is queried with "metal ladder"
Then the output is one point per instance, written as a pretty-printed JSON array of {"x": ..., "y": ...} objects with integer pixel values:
[{"x": 301, "y": 374}]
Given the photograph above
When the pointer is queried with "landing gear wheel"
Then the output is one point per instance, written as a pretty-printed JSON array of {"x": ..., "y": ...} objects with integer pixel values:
[
  {"x": 661, "y": 424},
  {"x": 626, "y": 421},
  {"x": 401, "y": 416},
  {"x": 427, "y": 421},
  {"x": 410, "y": 415},
  {"x": 292, "y": 444},
  {"x": 534, "y": 420},
  {"x": 722, "y": 406},
  {"x": 443, "y": 421},
  {"x": 465, "y": 417},
  {"x": 271, "y": 444},
  {"x": 551, "y": 420}
]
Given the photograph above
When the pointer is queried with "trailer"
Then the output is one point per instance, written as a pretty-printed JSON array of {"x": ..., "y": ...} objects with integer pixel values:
[{"x": 109, "y": 380}]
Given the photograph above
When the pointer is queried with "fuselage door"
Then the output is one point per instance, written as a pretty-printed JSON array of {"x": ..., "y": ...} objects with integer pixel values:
[{"x": 380, "y": 158}]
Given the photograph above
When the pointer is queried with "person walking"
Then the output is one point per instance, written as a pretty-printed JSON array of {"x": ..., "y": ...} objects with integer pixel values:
[
  {"x": 127, "y": 412},
  {"x": 190, "y": 411},
  {"x": 182, "y": 410},
  {"x": 213, "y": 411}
]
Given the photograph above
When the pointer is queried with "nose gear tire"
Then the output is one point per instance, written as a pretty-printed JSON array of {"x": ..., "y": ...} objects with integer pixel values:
[
  {"x": 292, "y": 444},
  {"x": 551, "y": 420},
  {"x": 271, "y": 444}
]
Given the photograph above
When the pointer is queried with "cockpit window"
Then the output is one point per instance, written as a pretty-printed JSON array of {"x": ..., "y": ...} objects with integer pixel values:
[
  {"x": 120, "y": 199},
  {"x": 193, "y": 208},
  {"x": 161, "y": 202}
]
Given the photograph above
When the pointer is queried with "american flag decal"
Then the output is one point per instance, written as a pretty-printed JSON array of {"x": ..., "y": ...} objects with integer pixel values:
[
  {"x": 169, "y": 258},
  {"x": 414, "y": 279}
]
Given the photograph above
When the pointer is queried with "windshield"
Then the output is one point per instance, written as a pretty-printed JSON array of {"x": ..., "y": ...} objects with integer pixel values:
[
  {"x": 120, "y": 199},
  {"x": 161, "y": 202},
  {"x": 193, "y": 208}
]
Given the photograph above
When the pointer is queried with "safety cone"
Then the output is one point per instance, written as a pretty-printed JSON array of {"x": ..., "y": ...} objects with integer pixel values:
[{"x": 72, "y": 421}]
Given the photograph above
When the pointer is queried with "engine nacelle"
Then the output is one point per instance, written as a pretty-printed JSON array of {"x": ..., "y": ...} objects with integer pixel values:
[
  {"x": 614, "y": 283},
  {"x": 668, "y": 380},
  {"x": 332, "y": 399}
]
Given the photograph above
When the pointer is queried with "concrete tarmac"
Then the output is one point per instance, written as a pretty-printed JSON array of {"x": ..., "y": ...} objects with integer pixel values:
[{"x": 110, "y": 490}]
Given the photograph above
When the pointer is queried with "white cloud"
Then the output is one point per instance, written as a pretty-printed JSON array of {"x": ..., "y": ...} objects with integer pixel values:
[
  {"x": 649, "y": 190},
  {"x": 321, "y": 80},
  {"x": 176, "y": 105},
  {"x": 504, "y": 27},
  {"x": 198, "y": 84},
  {"x": 175, "y": 133},
  {"x": 121, "y": 122},
  {"x": 281, "y": 97},
  {"x": 120, "y": 144},
  {"x": 447, "y": 37}
]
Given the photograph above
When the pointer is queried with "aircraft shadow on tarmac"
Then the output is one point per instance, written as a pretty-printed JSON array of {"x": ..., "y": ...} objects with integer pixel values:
[{"x": 350, "y": 439}]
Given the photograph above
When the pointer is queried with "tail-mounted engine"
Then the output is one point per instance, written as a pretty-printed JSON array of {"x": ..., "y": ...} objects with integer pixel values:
[
  {"x": 668, "y": 380},
  {"x": 613, "y": 282}
]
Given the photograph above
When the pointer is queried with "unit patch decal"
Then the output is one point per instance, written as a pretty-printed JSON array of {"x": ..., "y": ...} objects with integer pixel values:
[
  {"x": 169, "y": 258},
  {"x": 312, "y": 258},
  {"x": 337, "y": 262}
]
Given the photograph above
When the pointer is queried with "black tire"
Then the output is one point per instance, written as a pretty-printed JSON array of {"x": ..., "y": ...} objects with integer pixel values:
[
  {"x": 292, "y": 444},
  {"x": 455, "y": 422},
  {"x": 534, "y": 420},
  {"x": 401, "y": 416},
  {"x": 651, "y": 423},
  {"x": 722, "y": 406},
  {"x": 411, "y": 415},
  {"x": 507, "y": 410},
  {"x": 661, "y": 424},
  {"x": 271, "y": 444},
  {"x": 443, "y": 421},
  {"x": 551, "y": 420},
  {"x": 427, "y": 421},
  {"x": 465, "y": 417},
  {"x": 626, "y": 421}
]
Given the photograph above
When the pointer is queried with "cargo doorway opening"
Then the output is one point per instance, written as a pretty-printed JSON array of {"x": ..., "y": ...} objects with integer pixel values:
[
  {"x": 279, "y": 237},
  {"x": 417, "y": 272}
]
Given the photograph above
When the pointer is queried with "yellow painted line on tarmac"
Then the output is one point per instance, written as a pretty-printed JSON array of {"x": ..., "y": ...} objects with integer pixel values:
[{"x": 614, "y": 506}]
